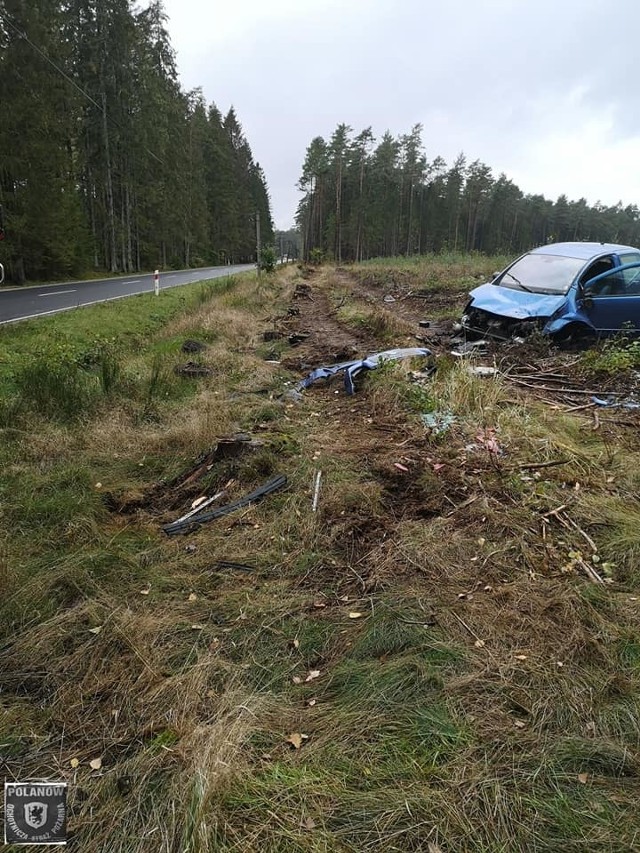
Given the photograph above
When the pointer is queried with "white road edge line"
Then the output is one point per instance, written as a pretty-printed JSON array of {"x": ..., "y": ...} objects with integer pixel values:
[{"x": 96, "y": 302}]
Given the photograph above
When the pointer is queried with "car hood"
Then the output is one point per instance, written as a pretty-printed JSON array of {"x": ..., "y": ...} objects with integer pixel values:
[{"x": 517, "y": 304}]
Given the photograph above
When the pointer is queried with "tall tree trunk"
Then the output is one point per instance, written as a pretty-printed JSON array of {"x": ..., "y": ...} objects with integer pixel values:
[{"x": 111, "y": 223}]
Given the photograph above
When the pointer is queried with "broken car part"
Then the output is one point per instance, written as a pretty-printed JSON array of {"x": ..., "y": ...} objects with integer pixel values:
[
  {"x": 352, "y": 368},
  {"x": 188, "y": 524}
]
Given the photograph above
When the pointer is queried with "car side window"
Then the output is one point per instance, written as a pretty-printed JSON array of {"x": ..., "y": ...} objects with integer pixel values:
[
  {"x": 612, "y": 285},
  {"x": 631, "y": 276}
]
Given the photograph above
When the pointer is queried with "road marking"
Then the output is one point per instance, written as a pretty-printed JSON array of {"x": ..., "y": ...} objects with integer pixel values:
[
  {"x": 135, "y": 281},
  {"x": 57, "y": 293},
  {"x": 109, "y": 298}
]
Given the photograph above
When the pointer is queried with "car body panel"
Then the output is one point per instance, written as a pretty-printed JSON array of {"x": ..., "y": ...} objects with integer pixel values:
[
  {"x": 517, "y": 304},
  {"x": 603, "y": 305}
]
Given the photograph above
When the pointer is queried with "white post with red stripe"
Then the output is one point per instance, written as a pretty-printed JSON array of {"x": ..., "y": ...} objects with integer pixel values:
[{"x": 156, "y": 282}]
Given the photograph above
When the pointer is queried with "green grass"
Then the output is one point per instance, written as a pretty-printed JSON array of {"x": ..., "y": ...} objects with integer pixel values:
[{"x": 459, "y": 680}]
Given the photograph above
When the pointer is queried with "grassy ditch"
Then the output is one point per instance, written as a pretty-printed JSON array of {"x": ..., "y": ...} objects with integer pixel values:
[{"x": 424, "y": 662}]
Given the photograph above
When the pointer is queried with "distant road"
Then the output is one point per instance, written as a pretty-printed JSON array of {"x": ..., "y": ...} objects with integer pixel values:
[{"x": 23, "y": 303}]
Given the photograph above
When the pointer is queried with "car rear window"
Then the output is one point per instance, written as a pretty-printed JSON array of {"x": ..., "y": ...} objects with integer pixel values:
[{"x": 539, "y": 273}]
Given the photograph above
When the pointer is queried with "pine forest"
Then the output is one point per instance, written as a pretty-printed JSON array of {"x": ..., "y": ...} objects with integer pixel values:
[
  {"x": 106, "y": 164},
  {"x": 363, "y": 200}
]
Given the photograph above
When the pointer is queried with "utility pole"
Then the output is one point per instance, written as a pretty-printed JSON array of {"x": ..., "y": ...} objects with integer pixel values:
[{"x": 258, "y": 240}]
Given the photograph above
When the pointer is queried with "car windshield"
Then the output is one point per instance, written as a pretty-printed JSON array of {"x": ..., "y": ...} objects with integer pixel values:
[{"x": 538, "y": 273}]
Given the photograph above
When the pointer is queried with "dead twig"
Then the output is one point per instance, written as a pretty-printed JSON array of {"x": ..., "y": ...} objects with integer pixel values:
[{"x": 529, "y": 466}]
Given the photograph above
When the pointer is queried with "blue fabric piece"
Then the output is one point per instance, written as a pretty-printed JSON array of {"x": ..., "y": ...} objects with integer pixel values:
[{"x": 352, "y": 368}]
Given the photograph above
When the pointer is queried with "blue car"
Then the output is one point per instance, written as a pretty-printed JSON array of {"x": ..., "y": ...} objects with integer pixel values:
[{"x": 569, "y": 291}]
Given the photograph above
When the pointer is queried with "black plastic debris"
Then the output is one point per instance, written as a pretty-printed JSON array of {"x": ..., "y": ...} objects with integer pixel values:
[
  {"x": 189, "y": 524},
  {"x": 193, "y": 346},
  {"x": 237, "y": 567},
  {"x": 192, "y": 370}
]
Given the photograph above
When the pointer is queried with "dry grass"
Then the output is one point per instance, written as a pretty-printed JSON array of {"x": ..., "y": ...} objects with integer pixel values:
[{"x": 484, "y": 697}]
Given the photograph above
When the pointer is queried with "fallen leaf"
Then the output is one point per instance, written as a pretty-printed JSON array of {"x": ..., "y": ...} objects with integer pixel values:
[
  {"x": 479, "y": 644},
  {"x": 521, "y": 657},
  {"x": 481, "y": 541},
  {"x": 583, "y": 778},
  {"x": 95, "y": 630},
  {"x": 313, "y": 674},
  {"x": 193, "y": 597},
  {"x": 309, "y": 823},
  {"x": 95, "y": 763},
  {"x": 145, "y": 591},
  {"x": 198, "y": 501},
  {"x": 296, "y": 643},
  {"x": 296, "y": 739},
  {"x": 520, "y": 724},
  {"x": 401, "y": 467},
  {"x": 355, "y": 615},
  {"x": 319, "y": 604},
  {"x": 197, "y": 627},
  {"x": 98, "y": 485},
  {"x": 296, "y": 679},
  {"x": 74, "y": 763},
  {"x": 311, "y": 702}
]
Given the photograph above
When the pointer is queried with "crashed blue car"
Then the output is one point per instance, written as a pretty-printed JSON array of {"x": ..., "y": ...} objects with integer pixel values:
[{"x": 570, "y": 291}]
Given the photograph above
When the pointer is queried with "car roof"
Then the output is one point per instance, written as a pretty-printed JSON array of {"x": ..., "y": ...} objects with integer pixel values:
[{"x": 584, "y": 251}]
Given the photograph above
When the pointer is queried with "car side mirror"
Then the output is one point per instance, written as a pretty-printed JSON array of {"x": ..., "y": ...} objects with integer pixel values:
[{"x": 587, "y": 297}]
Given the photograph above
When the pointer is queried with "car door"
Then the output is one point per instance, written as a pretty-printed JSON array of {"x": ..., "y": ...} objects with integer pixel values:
[{"x": 612, "y": 300}]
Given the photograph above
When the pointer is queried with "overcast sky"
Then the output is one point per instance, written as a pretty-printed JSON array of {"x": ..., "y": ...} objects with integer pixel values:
[{"x": 543, "y": 90}]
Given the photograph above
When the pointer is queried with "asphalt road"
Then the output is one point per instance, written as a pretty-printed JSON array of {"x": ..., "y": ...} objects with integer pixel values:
[{"x": 25, "y": 302}]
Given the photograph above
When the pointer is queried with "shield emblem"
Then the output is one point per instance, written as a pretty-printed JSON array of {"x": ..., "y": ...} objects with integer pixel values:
[{"x": 35, "y": 814}]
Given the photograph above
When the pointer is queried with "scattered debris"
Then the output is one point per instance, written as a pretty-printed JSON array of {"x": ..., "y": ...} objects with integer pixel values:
[
  {"x": 186, "y": 525},
  {"x": 471, "y": 348},
  {"x": 424, "y": 324},
  {"x": 272, "y": 335},
  {"x": 316, "y": 491},
  {"x": 612, "y": 403},
  {"x": 238, "y": 567},
  {"x": 352, "y": 368},
  {"x": 438, "y": 422},
  {"x": 302, "y": 291},
  {"x": 389, "y": 298},
  {"x": 297, "y": 338},
  {"x": 481, "y": 370},
  {"x": 198, "y": 506},
  {"x": 192, "y": 369},
  {"x": 193, "y": 346}
]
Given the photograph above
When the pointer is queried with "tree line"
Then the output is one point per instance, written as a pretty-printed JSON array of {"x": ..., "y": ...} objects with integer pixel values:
[
  {"x": 105, "y": 162},
  {"x": 362, "y": 199}
]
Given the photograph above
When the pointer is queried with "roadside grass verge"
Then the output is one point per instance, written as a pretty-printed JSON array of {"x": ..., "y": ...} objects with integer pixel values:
[{"x": 421, "y": 661}]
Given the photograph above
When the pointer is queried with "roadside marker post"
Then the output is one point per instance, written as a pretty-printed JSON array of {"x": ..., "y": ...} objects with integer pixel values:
[{"x": 156, "y": 282}]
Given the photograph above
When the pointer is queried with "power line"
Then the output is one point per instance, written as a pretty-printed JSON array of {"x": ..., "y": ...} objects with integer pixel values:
[{"x": 23, "y": 35}]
